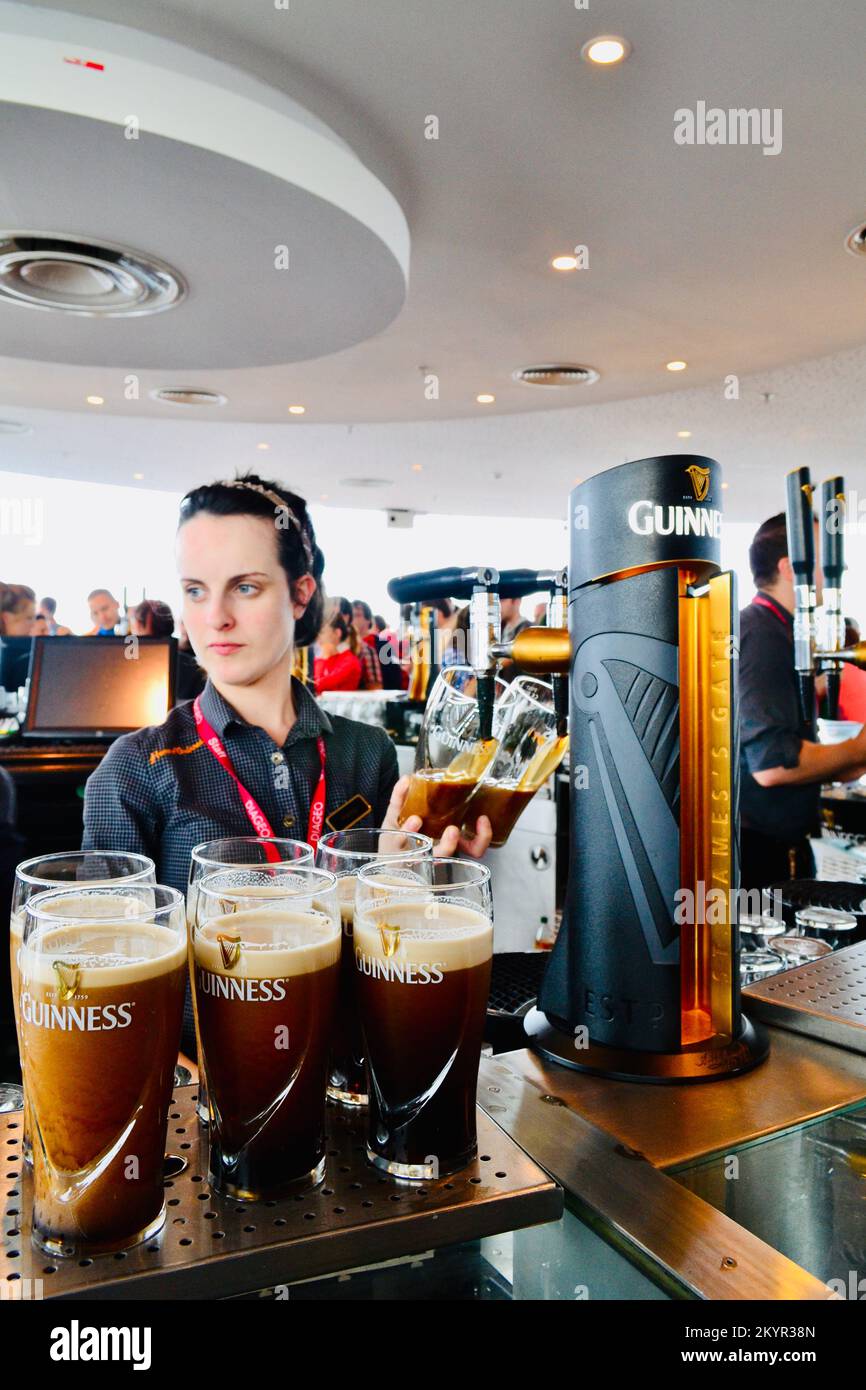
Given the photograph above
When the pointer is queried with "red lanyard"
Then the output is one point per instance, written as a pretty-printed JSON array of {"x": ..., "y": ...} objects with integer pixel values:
[
  {"x": 772, "y": 607},
  {"x": 260, "y": 822}
]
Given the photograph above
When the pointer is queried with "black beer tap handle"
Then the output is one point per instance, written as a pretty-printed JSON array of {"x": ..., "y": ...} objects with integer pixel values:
[
  {"x": 832, "y": 568},
  {"x": 801, "y": 526},
  {"x": 801, "y": 553},
  {"x": 443, "y": 583},
  {"x": 833, "y": 532},
  {"x": 519, "y": 583}
]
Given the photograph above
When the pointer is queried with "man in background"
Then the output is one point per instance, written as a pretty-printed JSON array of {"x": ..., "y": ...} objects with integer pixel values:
[
  {"x": 104, "y": 613},
  {"x": 48, "y": 612},
  {"x": 513, "y": 622},
  {"x": 781, "y": 768}
]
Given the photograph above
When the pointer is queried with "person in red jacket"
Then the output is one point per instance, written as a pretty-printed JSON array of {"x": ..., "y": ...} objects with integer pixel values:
[
  {"x": 852, "y": 695},
  {"x": 337, "y": 666}
]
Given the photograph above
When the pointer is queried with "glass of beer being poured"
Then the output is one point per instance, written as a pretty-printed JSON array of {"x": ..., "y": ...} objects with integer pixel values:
[
  {"x": 344, "y": 853},
  {"x": 101, "y": 1003},
  {"x": 529, "y": 748},
  {"x": 423, "y": 951},
  {"x": 86, "y": 868},
  {"x": 450, "y": 757},
  {"x": 266, "y": 954}
]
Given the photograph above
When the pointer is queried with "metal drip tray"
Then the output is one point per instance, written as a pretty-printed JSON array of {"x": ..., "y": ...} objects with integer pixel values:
[
  {"x": 213, "y": 1247},
  {"x": 825, "y": 999}
]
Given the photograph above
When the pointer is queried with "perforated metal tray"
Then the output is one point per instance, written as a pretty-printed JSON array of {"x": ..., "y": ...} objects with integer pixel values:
[
  {"x": 211, "y": 1247},
  {"x": 825, "y": 999}
]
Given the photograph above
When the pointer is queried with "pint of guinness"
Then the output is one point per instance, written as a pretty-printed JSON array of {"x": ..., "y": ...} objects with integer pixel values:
[
  {"x": 266, "y": 968},
  {"x": 85, "y": 868},
  {"x": 237, "y": 852},
  {"x": 344, "y": 853},
  {"x": 102, "y": 976},
  {"x": 423, "y": 953}
]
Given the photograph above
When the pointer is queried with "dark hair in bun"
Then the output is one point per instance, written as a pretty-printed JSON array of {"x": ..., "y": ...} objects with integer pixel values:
[{"x": 250, "y": 495}]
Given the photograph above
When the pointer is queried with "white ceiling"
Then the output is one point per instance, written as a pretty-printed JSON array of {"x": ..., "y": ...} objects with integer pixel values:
[{"x": 719, "y": 255}]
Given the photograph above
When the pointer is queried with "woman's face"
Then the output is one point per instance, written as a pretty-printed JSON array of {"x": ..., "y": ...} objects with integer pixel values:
[
  {"x": 237, "y": 606},
  {"x": 20, "y": 623}
]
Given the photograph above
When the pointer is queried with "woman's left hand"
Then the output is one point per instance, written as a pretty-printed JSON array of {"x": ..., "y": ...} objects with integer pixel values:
[{"x": 451, "y": 842}]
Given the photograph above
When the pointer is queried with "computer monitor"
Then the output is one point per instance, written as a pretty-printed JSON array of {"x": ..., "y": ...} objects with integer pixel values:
[
  {"x": 98, "y": 687},
  {"x": 14, "y": 661}
]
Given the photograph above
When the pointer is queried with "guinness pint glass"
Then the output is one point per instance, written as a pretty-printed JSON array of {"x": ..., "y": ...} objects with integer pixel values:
[
  {"x": 423, "y": 950},
  {"x": 266, "y": 952},
  {"x": 272, "y": 856},
  {"x": 344, "y": 853},
  {"x": 83, "y": 868},
  {"x": 102, "y": 975}
]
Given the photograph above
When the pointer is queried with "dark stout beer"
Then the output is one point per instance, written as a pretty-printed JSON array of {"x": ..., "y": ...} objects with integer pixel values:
[
  {"x": 502, "y": 804},
  {"x": 100, "y": 1014},
  {"x": 266, "y": 989},
  {"x": 438, "y": 799},
  {"x": 347, "y": 1079},
  {"x": 423, "y": 979}
]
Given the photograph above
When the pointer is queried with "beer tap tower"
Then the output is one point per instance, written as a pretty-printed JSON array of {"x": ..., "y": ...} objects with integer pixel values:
[
  {"x": 808, "y": 659},
  {"x": 643, "y": 981}
]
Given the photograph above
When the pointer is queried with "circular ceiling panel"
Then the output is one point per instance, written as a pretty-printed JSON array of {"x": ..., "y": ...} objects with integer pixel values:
[{"x": 288, "y": 247}]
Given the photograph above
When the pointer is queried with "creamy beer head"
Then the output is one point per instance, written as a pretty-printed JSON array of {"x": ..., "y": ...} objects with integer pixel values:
[
  {"x": 105, "y": 956},
  {"x": 442, "y": 936},
  {"x": 267, "y": 943}
]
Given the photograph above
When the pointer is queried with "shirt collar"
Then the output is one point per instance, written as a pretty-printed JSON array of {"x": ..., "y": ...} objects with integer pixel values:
[{"x": 310, "y": 720}]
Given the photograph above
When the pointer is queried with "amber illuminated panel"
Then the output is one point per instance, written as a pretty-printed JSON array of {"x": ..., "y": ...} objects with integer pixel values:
[
  {"x": 696, "y": 1014},
  {"x": 720, "y": 821},
  {"x": 706, "y": 826}
]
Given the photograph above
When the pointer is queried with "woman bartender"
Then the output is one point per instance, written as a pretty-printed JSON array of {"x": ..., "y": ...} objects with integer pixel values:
[{"x": 254, "y": 753}]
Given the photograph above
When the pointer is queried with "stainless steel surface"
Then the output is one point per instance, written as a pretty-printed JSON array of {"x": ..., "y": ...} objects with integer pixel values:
[
  {"x": 824, "y": 999},
  {"x": 801, "y": 1078},
  {"x": 682, "y": 1242},
  {"x": 212, "y": 1247}
]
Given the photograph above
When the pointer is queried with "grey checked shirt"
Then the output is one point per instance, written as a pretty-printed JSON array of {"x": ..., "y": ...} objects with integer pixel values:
[{"x": 160, "y": 791}]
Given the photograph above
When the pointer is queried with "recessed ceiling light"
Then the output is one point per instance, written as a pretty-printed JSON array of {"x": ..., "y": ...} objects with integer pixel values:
[
  {"x": 96, "y": 400},
  {"x": 676, "y": 366},
  {"x": 553, "y": 374},
  {"x": 187, "y": 395},
  {"x": 485, "y": 398},
  {"x": 564, "y": 263},
  {"x": 605, "y": 50},
  {"x": 95, "y": 278},
  {"x": 297, "y": 409},
  {"x": 417, "y": 467},
  {"x": 263, "y": 446},
  {"x": 138, "y": 476},
  {"x": 684, "y": 434},
  {"x": 724, "y": 486}
]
